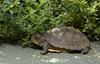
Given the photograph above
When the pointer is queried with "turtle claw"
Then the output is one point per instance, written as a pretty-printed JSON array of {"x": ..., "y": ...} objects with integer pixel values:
[
  {"x": 43, "y": 53},
  {"x": 85, "y": 51}
]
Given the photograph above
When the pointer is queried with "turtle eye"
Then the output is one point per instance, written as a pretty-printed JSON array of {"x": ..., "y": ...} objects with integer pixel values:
[{"x": 37, "y": 36}]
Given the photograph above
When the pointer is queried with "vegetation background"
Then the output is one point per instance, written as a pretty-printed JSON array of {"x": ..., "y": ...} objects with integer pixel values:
[{"x": 19, "y": 19}]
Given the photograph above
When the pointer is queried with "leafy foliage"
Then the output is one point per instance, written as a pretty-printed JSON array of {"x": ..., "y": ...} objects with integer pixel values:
[{"x": 19, "y": 19}]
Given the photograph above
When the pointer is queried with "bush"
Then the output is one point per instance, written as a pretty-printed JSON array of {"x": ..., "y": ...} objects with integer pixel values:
[{"x": 19, "y": 19}]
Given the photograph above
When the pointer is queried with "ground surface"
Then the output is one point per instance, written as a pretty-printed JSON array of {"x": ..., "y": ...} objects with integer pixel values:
[{"x": 10, "y": 54}]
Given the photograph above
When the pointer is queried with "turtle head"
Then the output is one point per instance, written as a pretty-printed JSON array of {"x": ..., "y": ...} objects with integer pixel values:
[{"x": 37, "y": 39}]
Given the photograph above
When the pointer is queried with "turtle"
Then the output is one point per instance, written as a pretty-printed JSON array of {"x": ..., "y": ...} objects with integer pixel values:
[{"x": 62, "y": 39}]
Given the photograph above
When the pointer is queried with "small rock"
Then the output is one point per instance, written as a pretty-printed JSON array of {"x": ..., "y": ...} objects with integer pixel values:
[
  {"x": 1, "y": 52},
  {"x": 34, "y": 56},
  {"x": 44, "y": 60},
  {"x": 54, "y": 60},
  {"x": 38, "y": 56},
  {"x": 76, "y": 57},
  {"x": 17, "y": 58},
  {"x": 32, "y": 62},
  {"x": 88, "y": 56},
  {"x": 98, "y": 56}
]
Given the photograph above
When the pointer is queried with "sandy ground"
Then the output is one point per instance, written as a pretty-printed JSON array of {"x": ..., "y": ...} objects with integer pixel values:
[{"x": 10, "y": 54}]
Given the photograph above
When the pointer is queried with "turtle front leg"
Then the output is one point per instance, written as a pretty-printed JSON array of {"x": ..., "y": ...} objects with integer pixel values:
[{"x": 45, "y": 48}]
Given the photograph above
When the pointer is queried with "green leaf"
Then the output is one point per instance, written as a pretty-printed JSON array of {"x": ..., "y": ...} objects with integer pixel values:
[{"x": 97, "y": 30}]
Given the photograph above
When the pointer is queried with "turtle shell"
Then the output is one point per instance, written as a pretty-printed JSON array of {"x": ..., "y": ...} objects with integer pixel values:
[{"x": 68, "y": 38}]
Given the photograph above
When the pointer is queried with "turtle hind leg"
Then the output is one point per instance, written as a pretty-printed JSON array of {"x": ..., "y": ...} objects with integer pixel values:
[
  {"x": 85, "y": 50},
  {"x": 45, "y": 48}
]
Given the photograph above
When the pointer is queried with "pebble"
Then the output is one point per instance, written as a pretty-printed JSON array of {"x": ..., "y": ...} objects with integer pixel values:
[
  {"x": 76, "y": 57},
  {"x": 18, "y": 58},
  {"x": 54, "y": 60}
]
